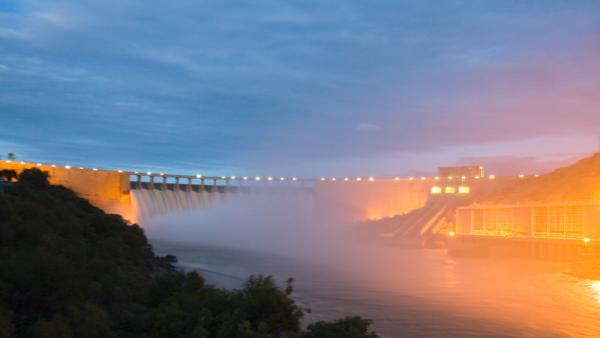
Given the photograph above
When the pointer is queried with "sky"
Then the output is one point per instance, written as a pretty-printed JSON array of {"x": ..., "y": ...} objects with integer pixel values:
[{"x": 302, "y": 88}]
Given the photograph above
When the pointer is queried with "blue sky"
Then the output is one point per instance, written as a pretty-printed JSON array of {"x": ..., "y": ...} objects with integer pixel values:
[{"x": 305, "y": 88}]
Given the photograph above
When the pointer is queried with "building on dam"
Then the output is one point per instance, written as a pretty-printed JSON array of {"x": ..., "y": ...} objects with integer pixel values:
[{"x": 565, "y": 220}]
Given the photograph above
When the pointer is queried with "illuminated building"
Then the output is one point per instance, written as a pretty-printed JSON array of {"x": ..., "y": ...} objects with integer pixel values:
[
  {"x": 450, "y": 190},
  {"x": 572, "y": 220},
  {"x": 466, "y": 171},
  {"x": 464, "y": 189}
]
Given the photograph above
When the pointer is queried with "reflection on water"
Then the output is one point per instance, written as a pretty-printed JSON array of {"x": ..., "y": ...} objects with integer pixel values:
[
  {"x": 595, "y": 285},
  {"x": 421, "y": 293}
]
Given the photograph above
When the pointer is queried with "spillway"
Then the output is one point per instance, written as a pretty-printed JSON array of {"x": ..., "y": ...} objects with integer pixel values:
[{"x": 151, "y": 203}]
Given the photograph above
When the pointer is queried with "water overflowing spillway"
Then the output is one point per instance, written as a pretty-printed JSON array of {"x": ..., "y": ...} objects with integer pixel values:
[
  {"x": 150, "y": 202},
  {"x": 326, "y": 205},
  {"x": 154, "y": 203},
  {"x": 344, "y": 201}
]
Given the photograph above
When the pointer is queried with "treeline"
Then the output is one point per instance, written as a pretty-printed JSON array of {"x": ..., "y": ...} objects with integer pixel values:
[{"x": 68, "y": 270}]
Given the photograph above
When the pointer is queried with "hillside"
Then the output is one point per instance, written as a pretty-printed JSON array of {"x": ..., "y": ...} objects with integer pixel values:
[
  {"x": 578, "y": 182},
  {"x": 68, "y": 270}
]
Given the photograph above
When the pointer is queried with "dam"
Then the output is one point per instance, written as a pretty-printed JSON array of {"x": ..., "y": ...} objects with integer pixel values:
[
  {"x": 357, "y": 199},
  {"x": 412, "y": 209}
]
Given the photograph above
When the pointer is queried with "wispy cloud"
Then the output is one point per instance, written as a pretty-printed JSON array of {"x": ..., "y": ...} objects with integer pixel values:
[{"x": 233, "y": 84}]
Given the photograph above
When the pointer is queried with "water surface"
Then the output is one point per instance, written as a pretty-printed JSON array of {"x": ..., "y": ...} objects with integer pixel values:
[{"x": 417, "y": 292}]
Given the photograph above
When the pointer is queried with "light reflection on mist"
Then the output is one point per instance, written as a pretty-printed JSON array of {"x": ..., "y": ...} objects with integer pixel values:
[
  {"x": 595, "y": 285},
  {"x": 420, "y": 289},
  {"x": 283, "y": 223}
]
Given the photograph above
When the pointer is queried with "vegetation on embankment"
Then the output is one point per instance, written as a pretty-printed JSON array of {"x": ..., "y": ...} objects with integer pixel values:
[
  {"x": 577, "y": 182},
  {"x": 67, "y": 269}
]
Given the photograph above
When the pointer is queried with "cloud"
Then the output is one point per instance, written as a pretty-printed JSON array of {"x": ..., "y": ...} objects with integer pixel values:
[
  {"x": 367, "y": 127},
  {"x": 238, "y": 85}
]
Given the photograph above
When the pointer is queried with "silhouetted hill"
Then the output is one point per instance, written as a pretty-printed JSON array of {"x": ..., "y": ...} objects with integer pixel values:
[
  {"x": 68, "y": 270},
  {"x": 578, "y": 182}
]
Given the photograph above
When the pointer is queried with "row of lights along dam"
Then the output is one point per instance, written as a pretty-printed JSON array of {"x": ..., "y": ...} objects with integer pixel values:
[{"x": 435, "y": 190}]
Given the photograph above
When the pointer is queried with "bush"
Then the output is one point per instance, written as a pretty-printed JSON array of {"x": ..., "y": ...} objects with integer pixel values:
[
  {"x": 34, "y": 177},
  {"x": 6, "y": 325},
  {"x": 349, "y": 327}
]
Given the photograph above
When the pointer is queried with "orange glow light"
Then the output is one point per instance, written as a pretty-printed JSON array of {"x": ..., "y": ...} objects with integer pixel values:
[{"x": 595, "y": 286}]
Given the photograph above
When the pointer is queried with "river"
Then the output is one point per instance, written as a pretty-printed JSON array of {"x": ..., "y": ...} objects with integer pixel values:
[{"x": 418, "y": 292}]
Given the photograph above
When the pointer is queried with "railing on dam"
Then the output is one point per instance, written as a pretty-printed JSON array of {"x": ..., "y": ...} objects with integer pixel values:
[
  {"x": 70, "y": 176},
  {"x": 163, "y": 181}
]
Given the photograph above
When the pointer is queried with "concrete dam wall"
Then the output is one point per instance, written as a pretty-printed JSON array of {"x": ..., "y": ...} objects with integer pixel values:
[
  {"x": 106, "y": 189},
  {"x": 356, "y": 201},
  {"x": 348, "y": 201}
]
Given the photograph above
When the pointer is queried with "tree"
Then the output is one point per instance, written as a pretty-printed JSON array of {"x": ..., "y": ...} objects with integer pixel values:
[
  {"x": 266, "y": 306},
  {"x": 34, "y": 177},
  {"x": 11, "y": 157},
  {"x": 349, "y": 327},
  {"x": 6, "y": 326}
]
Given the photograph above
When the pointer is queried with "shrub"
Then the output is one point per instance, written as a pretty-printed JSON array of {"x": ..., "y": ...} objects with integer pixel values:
[{"x": 34, "y": 177}]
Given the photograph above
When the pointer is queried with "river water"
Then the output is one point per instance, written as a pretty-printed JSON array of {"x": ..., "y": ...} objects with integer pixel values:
[
  {"x": 418, "y": 292},
  {"x": 406, "y": 292}
]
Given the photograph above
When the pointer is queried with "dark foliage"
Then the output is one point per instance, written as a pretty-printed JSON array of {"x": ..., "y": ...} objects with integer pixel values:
[
  {"x": 7, "y": 175},
  {"x": 67, "y": 269},
  {"x": 350, "y": 327},
  {"x": 34, "y": 177}
]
